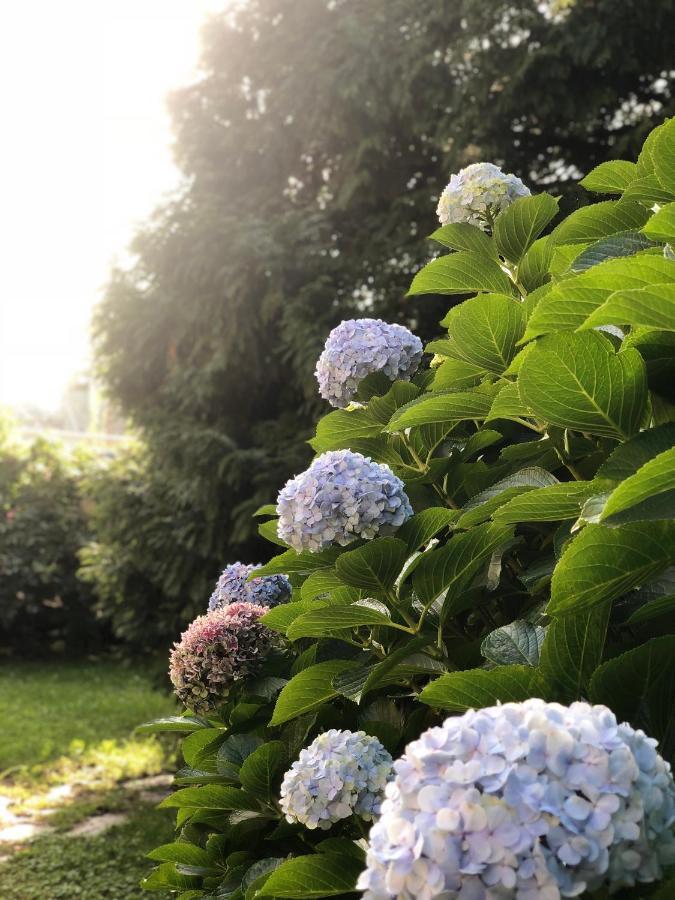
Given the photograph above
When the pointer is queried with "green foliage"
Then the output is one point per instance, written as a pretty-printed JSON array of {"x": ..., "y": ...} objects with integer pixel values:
[
  {"x": 539, "y": 561},
  {"x": 44, "y": 605},
  {"x": 308, "y": 188}
]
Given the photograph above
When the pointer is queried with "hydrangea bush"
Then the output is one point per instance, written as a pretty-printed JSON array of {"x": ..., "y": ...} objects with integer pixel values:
[{"x": 481, "y": 568}]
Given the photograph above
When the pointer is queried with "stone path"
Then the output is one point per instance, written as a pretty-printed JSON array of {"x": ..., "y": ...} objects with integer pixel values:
[{"x": 16, "y": 829}]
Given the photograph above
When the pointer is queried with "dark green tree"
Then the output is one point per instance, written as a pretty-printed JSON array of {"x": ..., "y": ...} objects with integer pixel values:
[{"x": 313, "y": 146}]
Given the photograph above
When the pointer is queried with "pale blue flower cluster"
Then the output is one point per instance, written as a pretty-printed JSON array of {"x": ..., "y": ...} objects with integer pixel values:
[
  {"x": 530, "y": 800},
  {"x": 232, "y": 587},
  {"x": 341, "y": 497},
  {"x": 358, "y": 347},
  {"x": 477, "y": 190},
  {"x": 340, "y": 773}
]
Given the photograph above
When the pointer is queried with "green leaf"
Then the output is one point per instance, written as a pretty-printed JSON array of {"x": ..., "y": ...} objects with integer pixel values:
[
  {"x": 258, "y": 770},
  {"x": 464, "y": 272},
  {"x": 268, "y": 509},
  {"x": 172, "y": 723},
  {"x": 663, "y": 154},
  {"x": 292, "y": 563},
  {"x": 324, "y": 622},
  {"x": 210, "y": 796},
  {"x": 610, "y": 177},
  {"x": 281, "y": 617},
  {"x": 604, "y": 563},
  {"x": 590, "y": 223},
  {"x": 519, "y": 642},
  {"x": 655, "y": 480},
  {"x": 476, "y": 688},
  {"x": 420, "y": 529},
  {"x": 481, "y": 506},
  {"x": 486, "y": 329},
  {"x": 338, "y": 429},
  {"x": 661, "y": 226},
  {"x": 181, "y": 852},
  {"x": 375, "y": 566},
  {"x": 638, "y": 686},
  {"x": 572, "y": 651},
  {"x": 547, "y": 504},
  {"x": 268, "y": 530},
  {"x": 308, "y": 690},
  {"x": 449, "y": 570},
  {"x": 508, "y": 404},
  {"x": 533, "y": 269},
  {"x": 577, "y": 381},
  {"x": 456, "y": 375},
  {"x": 627, "y": 458},
  {"x": 570, "y": 302},
  {"x": 166, "y": 877},
  {"x": 318, "y": 875},
  {"x": 462, "y": 236},
  {"x": 625, "y": 243},
  {"x": 452, "y": 407},
  {"x": 652, "y": 306},
  {"x": 521, "y": 223},
  {"x": 648, "y": 190}
]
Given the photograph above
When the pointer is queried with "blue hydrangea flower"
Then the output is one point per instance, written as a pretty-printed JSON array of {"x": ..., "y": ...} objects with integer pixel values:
[
  {"x": 232, "y": 587},
  {"x": 341, "y": 497},
  {"x": 340, "y": 773},
  {"x": 475, "y": 190},
  {"x": 357, "y": 348},
  {"x": 531, "y": 800}
]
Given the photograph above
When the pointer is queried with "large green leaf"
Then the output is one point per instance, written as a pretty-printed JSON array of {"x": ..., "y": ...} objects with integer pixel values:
[
  {"x": 481, "y": 506},
  {"x": 639, "y": 686},
  {"x": 570, "y": 302},
  {"x": 449, "y": 570},
  {"x": 258, "y": 770},
  {"x": 181, "y": 852},
  {"x": 604, "y": 563},
  {"x": 648, "y": 190},
  {"x": 421, "y": 528},
  {"x": 324, "y": 622},
  {"x": 661, "y": 226},
  {"x": 451, "y": 407},
  {"x": 173, "y": 723},
  {"x": 508, "y": 404},
  {"x": 611, "y": 177},
  {"x": 547, "y": 504},
  {"x": 210, "y": 796},
  {"x": 476, "y": 688},
  {"x": 533, "y": 269},
  {"x": 663, "y": 154},
  {"x": 375, "y": 566},
  {"x": 281, "y": 617},
  {"x": 652, "y": 306},
  {"x": 456, "y": 375},
  {"x": 521, "y": 223},
  {"x": 461, "y": 273},
  {"x": 308, "y": 690},
  {"x": 577, "y": 381},
  {"x": 290, "y": 563},
  {"x": 590, "y": 223},
  {"x": 647, "y": 494},
  {"x": 318, "y": 875},
  {"x": 486, "y": 329},
  {"x": 627, "y": 458},
  {"x": 518, "y": 642},
  {"x": 340, "y": 428},
  {"x": 625, "y": 243},
  {"x": 462, "y": 236},
  {"x": 572, "y": 651}
]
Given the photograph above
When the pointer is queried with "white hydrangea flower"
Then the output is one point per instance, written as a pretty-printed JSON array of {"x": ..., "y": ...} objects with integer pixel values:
[
  {"x": 358, "y": 347},
  {"x": 476, "y": 190},
  {"x": 531, "y": 800},
  {"x": 342, "y": 496},
  {"x": 340, "y": 773}
]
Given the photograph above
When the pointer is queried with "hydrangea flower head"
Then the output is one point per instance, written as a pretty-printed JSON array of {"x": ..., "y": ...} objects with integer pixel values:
[
  {"x": 341, "y": 497},
  {"x": 475, "y": 190},
  {"x": 232, "y": 587},
  {"x": 218, "y": 650},
  {"x": 340, "y": 773},
  {"x": 531, "y": 800},
  {"x": 358, "y": 347}
]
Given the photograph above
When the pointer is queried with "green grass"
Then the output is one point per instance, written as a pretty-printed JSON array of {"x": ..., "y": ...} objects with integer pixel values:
[
  {"x": 72, "y": 723},
  {"x": 107, "y": 867},
  {"x": 54, "y": 709}
]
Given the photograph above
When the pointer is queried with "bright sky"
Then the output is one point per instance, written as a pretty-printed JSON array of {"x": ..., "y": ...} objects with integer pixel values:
[{"x": 84, "y": 155}]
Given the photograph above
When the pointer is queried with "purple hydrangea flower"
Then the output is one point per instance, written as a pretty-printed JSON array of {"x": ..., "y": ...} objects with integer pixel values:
[
  {"x": 341, "y": 497},
  {"x": 531, "y": 800},
  {"x": 475, "y": 190},
  {"x": 218, "y": 650},
  {"x": 340, "y": 773},
  {"x": 232, "y": 587},
  {"x": 357, "y": 348}
]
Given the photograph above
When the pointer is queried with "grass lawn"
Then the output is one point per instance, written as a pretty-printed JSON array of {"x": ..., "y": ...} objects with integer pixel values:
[{"x": 71, "y": 723}]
